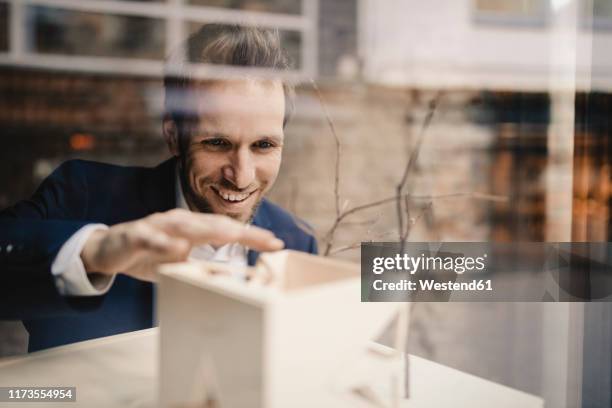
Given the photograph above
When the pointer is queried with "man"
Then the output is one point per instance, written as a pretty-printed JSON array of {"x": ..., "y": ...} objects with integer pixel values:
[{"x": 77, "y": 259}]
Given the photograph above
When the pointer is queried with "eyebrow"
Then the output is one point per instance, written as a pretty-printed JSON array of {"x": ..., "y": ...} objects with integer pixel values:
[
  {"x": 212, "y": 134},
  {"x": 274, "y": 138}
]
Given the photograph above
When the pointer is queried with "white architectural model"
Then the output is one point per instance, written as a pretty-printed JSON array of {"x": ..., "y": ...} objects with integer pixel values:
[{"x": 281, "y": 339}]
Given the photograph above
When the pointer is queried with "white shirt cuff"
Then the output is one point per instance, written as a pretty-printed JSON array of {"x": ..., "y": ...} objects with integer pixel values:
[{"x": 71, "y": 278}]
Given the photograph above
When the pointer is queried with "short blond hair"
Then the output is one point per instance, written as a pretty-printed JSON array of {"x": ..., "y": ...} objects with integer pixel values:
[{"x": 223, "y": 44}]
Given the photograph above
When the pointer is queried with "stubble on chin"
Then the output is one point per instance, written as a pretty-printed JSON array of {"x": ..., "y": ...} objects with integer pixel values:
[
  {"x": 201, "y": 204},
  {"x": 249, "y": 220}
]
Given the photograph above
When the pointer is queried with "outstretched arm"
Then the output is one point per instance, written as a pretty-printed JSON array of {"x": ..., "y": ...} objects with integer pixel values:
[{"x": 33, "y": 232}]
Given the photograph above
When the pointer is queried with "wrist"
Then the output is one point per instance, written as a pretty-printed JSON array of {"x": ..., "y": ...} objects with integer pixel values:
[{"x": 90, "y": 251}]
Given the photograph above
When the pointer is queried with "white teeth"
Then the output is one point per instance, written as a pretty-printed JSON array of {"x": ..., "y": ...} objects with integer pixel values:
[{"x": 233, "y": 197}]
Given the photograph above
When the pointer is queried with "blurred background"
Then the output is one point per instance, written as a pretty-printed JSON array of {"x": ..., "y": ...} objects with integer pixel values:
[{"x": 517, "y": 147}]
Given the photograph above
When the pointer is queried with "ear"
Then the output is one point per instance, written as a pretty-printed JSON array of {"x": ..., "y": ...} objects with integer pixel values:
[{"x": 171, "y": 135}]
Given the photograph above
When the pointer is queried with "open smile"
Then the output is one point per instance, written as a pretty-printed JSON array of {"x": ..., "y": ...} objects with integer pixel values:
[{"x": 232, "y": 197}]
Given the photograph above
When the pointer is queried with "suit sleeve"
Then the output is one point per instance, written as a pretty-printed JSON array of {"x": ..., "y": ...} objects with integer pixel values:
[{"x": 31, "y": 235}]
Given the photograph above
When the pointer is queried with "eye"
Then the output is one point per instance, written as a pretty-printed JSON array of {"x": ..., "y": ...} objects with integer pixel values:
[
  {"x": 263, "y": 144},
  {"x": 216, "y": 143}
]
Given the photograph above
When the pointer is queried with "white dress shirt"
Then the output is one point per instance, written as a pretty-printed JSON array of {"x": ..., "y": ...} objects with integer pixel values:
[{"x": 71, "y": 278}]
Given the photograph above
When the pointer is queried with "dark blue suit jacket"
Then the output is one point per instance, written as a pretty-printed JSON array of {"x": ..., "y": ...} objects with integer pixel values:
[{"x": 77, "y": 193}]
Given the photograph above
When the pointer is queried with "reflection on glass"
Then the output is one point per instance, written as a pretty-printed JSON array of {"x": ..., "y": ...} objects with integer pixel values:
[
  {"x": 291, "y": 41},
  {"x": 602, "y": 9},
  {"x": 4, "y": 27},
  {"x": 272, "y": 6},
  {"x": 92, "y": 34},
  {"x": 511, "y": 7}
]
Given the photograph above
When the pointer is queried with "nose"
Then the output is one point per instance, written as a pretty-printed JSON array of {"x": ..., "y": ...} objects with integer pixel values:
[{"x": 240, "y": 171}]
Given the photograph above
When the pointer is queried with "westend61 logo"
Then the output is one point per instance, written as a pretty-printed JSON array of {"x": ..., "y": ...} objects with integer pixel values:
[
  {"x": 486, "y": 271},
  {"x": 414, "y": 264}
]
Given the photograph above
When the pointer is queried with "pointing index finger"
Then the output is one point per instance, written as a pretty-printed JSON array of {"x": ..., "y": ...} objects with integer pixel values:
[
  {"x": 248, "y": 235},
  {"x": 260, "y": 239}
]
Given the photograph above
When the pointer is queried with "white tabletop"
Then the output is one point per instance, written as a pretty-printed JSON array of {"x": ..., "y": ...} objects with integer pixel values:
[{"x": 122, "y": 371}]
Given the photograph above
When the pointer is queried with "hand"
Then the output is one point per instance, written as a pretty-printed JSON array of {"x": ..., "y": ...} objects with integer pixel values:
[{"x": 135, "y": 248}]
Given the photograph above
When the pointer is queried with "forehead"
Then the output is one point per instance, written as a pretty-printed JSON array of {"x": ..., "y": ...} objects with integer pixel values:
[{"x": 253, "y": 103}]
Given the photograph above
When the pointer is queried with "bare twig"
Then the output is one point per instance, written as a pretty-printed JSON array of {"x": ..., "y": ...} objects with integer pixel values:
[
  {"x": 414, "y": 155},
  {"x": 401, "y": 199},
  {"x": 406, "y": 232},
  {"x": 472, "y": 195},
  {"x": 345, "y": 248},
  {"x": 477, "y": 196},
  {"x": 355, "y": 245},
  {"x": 415, "y": 152},
  {"x": 330, "y": 234},
  {"x": 362, "y": 223},
  {"x": 403, "y": 317},
  {"x": 330, "y": 123}
]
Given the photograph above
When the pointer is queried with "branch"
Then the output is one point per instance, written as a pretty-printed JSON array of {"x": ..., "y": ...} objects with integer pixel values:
[
  {"x": 408, "y": 228},
  {"x": 476, "y": 196},
  {"x": 415, "y": 152},
  {"x": 408, "y": 170},
  {"x": 344, "y": 248},
  {"x": 356, "y": 244},
  {"x": 342, "y": 213},
  {"x": 330, "y": 123}
]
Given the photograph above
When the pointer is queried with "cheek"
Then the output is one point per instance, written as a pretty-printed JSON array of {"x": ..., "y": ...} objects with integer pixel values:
[
  {"x": 202, "y": 165},
  {"x": 268, "y": 168}
]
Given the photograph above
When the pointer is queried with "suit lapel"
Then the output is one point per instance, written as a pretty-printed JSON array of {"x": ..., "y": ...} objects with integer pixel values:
[{"x": 261, "y": 220}]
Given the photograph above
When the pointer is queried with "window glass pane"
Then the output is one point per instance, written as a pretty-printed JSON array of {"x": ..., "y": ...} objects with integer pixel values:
[
  {"x": 4, "y": 35},
  {"x": 273, "y": 6},
  {"x": 511, "y": 7},
  {"x": 291, "y": 41},
  {"x": 59, "y": 31},
  {"x": 602, "y": 8}
]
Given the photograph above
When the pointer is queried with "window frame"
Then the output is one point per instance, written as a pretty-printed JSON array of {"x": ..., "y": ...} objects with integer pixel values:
[
  {"x": 538, "y": 20},
  {"x": 592, "y": 22},
  {"x": 177, "y": 15}
]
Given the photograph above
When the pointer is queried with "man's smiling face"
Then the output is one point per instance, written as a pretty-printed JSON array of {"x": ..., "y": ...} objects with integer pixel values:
[{"x": 232, "y": 156}]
